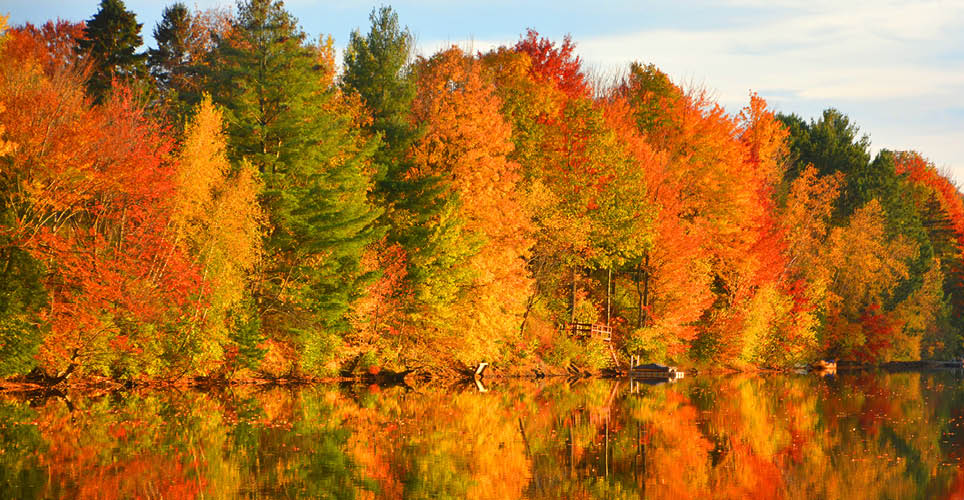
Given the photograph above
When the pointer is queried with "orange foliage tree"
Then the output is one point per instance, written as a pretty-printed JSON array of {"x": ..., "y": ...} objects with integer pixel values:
[
  {"x": 583, "y": 176},
  {"x": 720, "y": 175},
  {"x": 467, "y": 142},
  {"x": 866, "y": 267},
  {"x": 939, "y": 202},
  {"x": 90, "y": 191}
]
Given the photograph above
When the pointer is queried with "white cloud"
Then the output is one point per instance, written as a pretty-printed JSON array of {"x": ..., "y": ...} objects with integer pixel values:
[
  {"x": 863, "y": 54},
  {"x": 845, "y": 53},
  {"x": 884, "y": 63},
  {"x": 894, "y": 66}
]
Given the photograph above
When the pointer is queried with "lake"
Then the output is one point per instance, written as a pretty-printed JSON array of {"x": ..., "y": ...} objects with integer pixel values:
[{"x": 861, "y": 435}]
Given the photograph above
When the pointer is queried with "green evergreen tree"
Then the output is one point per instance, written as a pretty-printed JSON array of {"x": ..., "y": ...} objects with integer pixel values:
[
  {"x": 419, "y": 211},
  {"x": 834, "y": 144},
  {"x": 282, "y": 120},
  {"x": 171, "y": 57},
  {"x": 111, "y": 39},
  {"x": 831, "y": 144},
  {"x": 879, "y": 180},
  {"x": 170, "y": 63},
  {"x": 377, "y": 68}
]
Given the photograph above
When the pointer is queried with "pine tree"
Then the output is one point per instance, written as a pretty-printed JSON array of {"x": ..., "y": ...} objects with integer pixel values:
[
  {"x": 171, "y": 62},
  {"x": 377, "y": 68},
  {"x": 314, "y": 168},
  {"x": 418, "y": 211},
  {"x": 111, "y": 39},
  {"x": 168, "y": 61}
]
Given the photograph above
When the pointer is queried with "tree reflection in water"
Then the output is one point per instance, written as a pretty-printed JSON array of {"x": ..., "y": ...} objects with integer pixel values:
[{"x": 870, "y": 435}]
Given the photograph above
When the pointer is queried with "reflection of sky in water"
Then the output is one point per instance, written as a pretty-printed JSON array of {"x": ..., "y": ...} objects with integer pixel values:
[{"x": 782, "y": 436}]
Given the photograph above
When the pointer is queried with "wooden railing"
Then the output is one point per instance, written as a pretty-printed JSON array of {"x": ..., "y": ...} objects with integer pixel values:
[{"x": 590, "y": 330}]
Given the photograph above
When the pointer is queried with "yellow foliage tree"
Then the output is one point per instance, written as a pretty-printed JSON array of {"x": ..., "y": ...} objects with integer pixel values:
[
  {"x": 217, "y": 219},
  {"x": 866, "y": 266},
  {"x": 466, "y": 142}
]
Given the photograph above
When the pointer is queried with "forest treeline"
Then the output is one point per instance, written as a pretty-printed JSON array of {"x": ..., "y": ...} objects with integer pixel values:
[{"x": 237, "y": 201}]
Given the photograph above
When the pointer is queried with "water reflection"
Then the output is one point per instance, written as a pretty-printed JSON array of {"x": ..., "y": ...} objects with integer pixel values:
[{"x": 854, "y": 436}]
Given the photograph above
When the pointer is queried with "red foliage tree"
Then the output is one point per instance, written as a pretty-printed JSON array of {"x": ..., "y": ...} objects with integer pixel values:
[
  {"x": 90, "y": 190},
  {"x": 556, "y": 65},
  {"x": 52, "y": 45},
  {"x": 947, "y": 223}
]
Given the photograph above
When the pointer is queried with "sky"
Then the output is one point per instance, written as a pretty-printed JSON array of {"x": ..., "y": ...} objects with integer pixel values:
[{"x": 896, "y": 68}]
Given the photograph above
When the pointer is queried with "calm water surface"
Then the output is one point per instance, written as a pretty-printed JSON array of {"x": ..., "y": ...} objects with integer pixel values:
[{"x": 870, "y": 435}]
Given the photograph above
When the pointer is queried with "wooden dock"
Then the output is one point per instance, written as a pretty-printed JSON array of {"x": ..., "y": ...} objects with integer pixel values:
[
  {"x": 652, "y": 374},
  {"x": 654, "y": 371},
  {"x": 824, "y": 367}
]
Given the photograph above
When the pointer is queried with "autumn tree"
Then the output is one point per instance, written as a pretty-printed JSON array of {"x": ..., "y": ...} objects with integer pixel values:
[
  {"x": 674, "y": 294},
  {"x": 831, "y": 144},
  {"x": 314, "y": 167},
  {"x": 217, "y": 220},
  {"x": 581, "y": 173},
  {"x": 775, "y": 329},
  {"x": 53, "y": 44},
  {"x": 22, "y": 294},
  {"x": 555, "y": 65},
  {"x": 721, "y": 186},
  {"x": 86, "y": 193},
  {"x": 480, "y": 282},
  {"x": 805, "y": 220},
  {"x": 528, "y": 104},
  {"x": 867, "y": 267},
  {"x": 585, "y": 169},
  {"x": 668, "y": 275}
]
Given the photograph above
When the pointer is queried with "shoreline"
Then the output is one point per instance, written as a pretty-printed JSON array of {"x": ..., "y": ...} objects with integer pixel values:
[{"x": 22, "y": 384}]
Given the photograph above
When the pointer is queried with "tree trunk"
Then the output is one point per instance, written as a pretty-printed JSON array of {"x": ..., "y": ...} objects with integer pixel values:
[
  {"x": 646, "y": 291},
  {"x": 525, "y": 316},
  {"x": 572, "y": 297},
  {"x": 639, "y": 295},
  {"x": 642, "y": 291}
]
